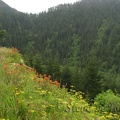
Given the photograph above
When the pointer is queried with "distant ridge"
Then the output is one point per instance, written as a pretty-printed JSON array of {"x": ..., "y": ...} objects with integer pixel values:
[{"x": 6, "y": 7}]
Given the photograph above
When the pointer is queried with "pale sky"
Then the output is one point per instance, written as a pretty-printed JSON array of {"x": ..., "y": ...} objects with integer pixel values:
[{"x": 35, "y": 6}]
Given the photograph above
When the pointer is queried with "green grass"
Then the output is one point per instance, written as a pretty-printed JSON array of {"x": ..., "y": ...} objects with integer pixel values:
[{"x": 26, "y": 95}]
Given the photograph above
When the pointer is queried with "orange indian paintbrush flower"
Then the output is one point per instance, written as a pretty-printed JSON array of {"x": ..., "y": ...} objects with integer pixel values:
[{"x": 5, "y": 67}]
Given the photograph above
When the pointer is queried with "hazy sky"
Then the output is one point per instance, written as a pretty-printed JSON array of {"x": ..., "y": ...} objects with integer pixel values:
[{"x": 35, "y": 6}]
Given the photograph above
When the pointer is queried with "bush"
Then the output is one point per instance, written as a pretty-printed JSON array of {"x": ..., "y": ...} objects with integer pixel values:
[{"x": 107, "y": 102}]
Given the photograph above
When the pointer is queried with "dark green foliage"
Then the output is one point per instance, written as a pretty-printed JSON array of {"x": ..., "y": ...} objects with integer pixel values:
[
  {"x": 53, "y": 68},
  {"x": 110, "y": 80},
  {"x": 92, "y": 77},
  {"x": 66, "y": 77},
  {"x": 88, "y": 24},
  {"x": 2, "y": 33}
]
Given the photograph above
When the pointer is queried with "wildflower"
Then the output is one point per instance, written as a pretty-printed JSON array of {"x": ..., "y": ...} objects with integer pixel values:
[
  {"x": 44, "y": 113},
  {"x": 49, "y": 76},
  {"x": 31, "y": 111},
  {"x": 30, "y": 97},
  {"x": 93, "y": 108},
  {"x": 57, "y": 83},
  {"x": 73, "y": 91},
  {"x": 49, "y": 92},
  {"x": 43, "y": 106},
  {"x": 34, "y": 77},
  {"x": 46, "y": 78},
  {"x": 15, "y": 71},
  {"x": 16, "y": 88},
  {"x": 9, "y": 72},
  {"x": 116, "y": 115},
  {"x": 63, "y": 86},
  {"x": 50, "y": 82},
  {"x": 109, "y": 116},
  {"x": 38, "y": 80},
  {"x": 76, "y": 93},
  {"x": 44, "y": 75},
  {"x": 50, "y": 105},
  {"x": 22, "y": 92},
  {"x": 95, "y": 103},
  {"x": 17, "y": 93},
  {"x": 20, "y": 77},
  {"x": 15, "y": 50},
  {"x": 92, "y": 114},
  {"x": 111, "y": 113},
  {"x": 40, "y": 75},
  {"x": 39, "y": 88},
  {"x": 102, "y": 118},
  {"x": 43, "y": 92},
  {"x": 5, "y": 67},
  {"x": 105, "y": 112}
]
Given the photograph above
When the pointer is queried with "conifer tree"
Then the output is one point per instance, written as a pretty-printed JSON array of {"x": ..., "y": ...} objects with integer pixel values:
[
  {"x": 92, "y": 77},
  {"x": 2, "y": 33}
]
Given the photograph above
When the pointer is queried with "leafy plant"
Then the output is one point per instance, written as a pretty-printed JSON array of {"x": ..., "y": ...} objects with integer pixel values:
[{"x": 108, "y": 102}]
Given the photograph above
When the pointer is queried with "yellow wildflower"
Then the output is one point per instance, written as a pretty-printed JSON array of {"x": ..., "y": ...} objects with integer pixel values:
[
  {"x": 31, "y": 111},
  {"x": 102, "y": 118}
]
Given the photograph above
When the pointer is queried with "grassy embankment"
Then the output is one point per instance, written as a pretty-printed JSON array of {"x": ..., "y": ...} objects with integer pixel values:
[{"x": 26, "y": 95}]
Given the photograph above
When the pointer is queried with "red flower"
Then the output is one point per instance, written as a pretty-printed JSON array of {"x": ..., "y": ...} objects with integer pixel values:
[
  {"x": 34, "y": 77},
  {"x": 38, "y": 80},
  {"x": 57, "y": 83},
  {"x": 15, "y": 71},
  {"x": 5, "y": 67},
  {"x": 9, "y": 72},
  {"x": 15, "y": 50},
  {"x": 44, "y": 75},
  {"x": 46, "y": 78},
  {"x": 40, "y": 75}
]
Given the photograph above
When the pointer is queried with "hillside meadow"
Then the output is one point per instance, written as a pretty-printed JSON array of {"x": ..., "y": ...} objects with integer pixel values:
[{"x": 27, "y": 95}]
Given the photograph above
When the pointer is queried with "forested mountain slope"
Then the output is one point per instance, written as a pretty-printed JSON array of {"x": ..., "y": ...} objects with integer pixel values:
[
  {"x": 67, "y": 34},
  {"x": 94, "y": 23}
]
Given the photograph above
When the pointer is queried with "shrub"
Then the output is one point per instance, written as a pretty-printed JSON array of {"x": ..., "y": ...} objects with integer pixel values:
[{"x": 107, "y": 102}]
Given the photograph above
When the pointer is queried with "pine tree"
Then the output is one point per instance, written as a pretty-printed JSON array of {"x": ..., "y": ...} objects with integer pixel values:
[
  {"x": 2, "y": 33},
  {"x": 92, "y": 77}
]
